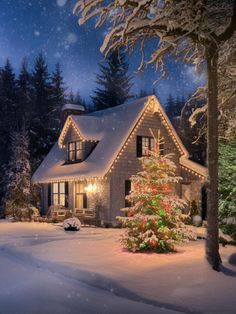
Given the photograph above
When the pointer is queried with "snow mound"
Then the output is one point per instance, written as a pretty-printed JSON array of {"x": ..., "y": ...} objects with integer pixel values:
[{"x": 72, "y": 224}]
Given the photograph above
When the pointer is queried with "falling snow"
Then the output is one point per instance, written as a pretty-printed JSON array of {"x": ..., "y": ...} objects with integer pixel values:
[{"x": 56, "y": 33}]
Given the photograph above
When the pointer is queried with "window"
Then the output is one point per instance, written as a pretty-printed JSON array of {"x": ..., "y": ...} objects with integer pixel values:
[
  {"x": 127, "y": 191},
  {"x": 146, "y": 144},
  {"x": 75, "y": 151},
  {"x": 59, "y": 194},
  {"x": 80, "y": 196}
]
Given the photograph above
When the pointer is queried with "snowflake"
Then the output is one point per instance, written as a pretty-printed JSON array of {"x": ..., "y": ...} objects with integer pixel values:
[{"x": 61, "y": 3}]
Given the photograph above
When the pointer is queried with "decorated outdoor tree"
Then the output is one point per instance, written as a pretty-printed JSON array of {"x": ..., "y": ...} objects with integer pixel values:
[{"x": 154, "y": 221}]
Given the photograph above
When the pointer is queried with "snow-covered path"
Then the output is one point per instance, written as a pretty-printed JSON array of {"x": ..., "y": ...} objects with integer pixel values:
[{"x": 45, "y": 270}]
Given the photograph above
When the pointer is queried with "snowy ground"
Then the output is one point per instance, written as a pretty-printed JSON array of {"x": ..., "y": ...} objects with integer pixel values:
[{"x": 46, "y": 270}]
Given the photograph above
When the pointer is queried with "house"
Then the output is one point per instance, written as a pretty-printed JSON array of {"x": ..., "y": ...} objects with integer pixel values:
[{"x": 88, "y": 170}]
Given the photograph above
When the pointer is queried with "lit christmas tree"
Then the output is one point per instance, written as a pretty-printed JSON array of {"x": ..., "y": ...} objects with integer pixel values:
[{"x": 153, "y": 221}]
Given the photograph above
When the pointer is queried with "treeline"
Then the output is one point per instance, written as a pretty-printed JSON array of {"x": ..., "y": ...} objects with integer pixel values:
[
  {"x": 30, "y": 102},
  {"x": 30, "y": 106}
]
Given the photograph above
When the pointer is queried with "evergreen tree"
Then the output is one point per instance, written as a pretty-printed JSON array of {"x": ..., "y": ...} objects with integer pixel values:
[
  {"x": 142, "y": 93},
  {"x": 71, "y": 97},
  {"x": 170, "y": 107},
  {"x": 179, "y": 103},
  {"x": 17, "y": 177},
  {"x": 227, "y": 190},
  {"x": 41, "y": 85},
  {"x": 42, "y": 133},
  {"x": 153, "y": 221},
  {"x": 57, "y": 97},
  {"x": 8, "y": 101},
  {"x": 113, "y": 81},
  {"x": 25, "y": 94}
]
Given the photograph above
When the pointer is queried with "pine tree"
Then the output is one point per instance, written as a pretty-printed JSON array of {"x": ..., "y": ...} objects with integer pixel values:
[
  {"x": 71, "y": 97},
  {"x": 25, "y": 94},
  {"x": 41, "y": 85},
  {"x": 42, "y": 134},
  {"x": 113, "y": 81},
  {"x": 153, "y": 221},
  {"x": 8, "y": 101},
  {"x": 17, "y": 199},
  {"x": 57, "y": 97},
  {"x": 170, "y": 107}
]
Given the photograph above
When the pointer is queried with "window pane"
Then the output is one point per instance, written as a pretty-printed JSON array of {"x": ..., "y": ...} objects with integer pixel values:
[
  {"x": 79, "y": 188},
  {"x": 62, "y": 187},
  {"x": 55, "y": 188},
  {"x": 79, "y": 145},
  {"x": 152, "y": 144},
  {"x": 79, "y": 154},
  {"x": 145, "y": 145},
  {"x": 62, "y": 199},
  {"x": 71, "y": 146},
  {"x": 72, "y": 155},
  {"x": 79, "y": 201},
  {"x": 55, "y": 199}
]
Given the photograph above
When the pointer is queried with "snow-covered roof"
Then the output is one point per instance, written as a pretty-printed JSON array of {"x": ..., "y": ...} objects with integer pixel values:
[
  {"x": 73, "y": 107},
  {"x": 193, "y": 166},
  {"x": 111, "y": 128}
]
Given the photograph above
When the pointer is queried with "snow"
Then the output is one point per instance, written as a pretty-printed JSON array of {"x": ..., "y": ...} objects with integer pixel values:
[
  {"x": 72, "y": 107},
  {"x": 111, "y": 128},
  {"x": 72, "y": 224},
  {"x": 193, "y": 166},
  {"x": 44, "y": 269}
]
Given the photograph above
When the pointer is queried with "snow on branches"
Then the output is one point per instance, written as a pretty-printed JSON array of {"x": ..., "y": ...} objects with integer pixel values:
[{"x": 180, "y": 27}]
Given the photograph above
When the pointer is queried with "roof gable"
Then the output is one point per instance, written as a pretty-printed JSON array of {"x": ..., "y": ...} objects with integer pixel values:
[{"x": 111, "y": 128}]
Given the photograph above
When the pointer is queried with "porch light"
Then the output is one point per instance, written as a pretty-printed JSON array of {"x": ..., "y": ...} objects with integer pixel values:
[{"x": 91, "y": 188}]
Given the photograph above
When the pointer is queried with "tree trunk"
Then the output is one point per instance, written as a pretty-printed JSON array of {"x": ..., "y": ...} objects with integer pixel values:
[{"x": 212, "y": 242}]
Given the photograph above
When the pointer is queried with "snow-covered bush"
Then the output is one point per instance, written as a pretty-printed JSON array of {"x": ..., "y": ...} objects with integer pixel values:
[
  {"x": 227, "y": 189},
  {"x": 72, "y": 224},
  {"x": 17, "y": 178}
]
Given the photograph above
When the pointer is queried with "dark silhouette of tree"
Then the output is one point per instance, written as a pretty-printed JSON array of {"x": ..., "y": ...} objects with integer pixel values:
[
  {"x": 41, "y": 133},
  {"x": 57, "y": 99},
  {"x": 25, "y": 94},
  {"x": 170, "y": 107},
  {"x": 113, "y": 81}
]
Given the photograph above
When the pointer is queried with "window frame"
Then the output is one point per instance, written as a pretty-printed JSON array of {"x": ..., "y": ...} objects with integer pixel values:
[
  {"x": 78, "y": 148},
  {"x": 58, "y": 193},
  {"x": 151, "y": 145},
  {"x": 82, "y": 194}
]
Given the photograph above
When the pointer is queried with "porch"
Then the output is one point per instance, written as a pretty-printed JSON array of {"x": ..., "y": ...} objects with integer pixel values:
[{"x": 85, "y": 200}]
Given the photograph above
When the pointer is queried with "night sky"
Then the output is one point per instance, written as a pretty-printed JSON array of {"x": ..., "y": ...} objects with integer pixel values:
[{"x": 48, "y": 26}]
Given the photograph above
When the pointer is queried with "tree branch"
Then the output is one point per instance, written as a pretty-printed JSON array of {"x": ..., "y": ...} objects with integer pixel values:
[{"x": 229, "y": 31}]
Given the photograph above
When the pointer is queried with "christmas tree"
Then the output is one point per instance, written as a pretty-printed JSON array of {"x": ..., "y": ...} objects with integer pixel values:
[{"x": 153, "y": 221}]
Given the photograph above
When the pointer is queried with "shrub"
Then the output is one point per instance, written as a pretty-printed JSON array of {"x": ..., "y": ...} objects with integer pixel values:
[
  {"x": 72, "y": 224},
  {"x": 227, "y": 188}
]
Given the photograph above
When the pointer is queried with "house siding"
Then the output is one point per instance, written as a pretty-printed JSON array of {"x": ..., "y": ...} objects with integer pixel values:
[
  {"x": 110, "y": 197},
  {"x": 129, "y": 164}
]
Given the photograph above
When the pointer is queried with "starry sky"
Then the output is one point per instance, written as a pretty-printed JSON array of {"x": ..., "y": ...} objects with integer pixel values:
[{"x": 28, "y": 27}]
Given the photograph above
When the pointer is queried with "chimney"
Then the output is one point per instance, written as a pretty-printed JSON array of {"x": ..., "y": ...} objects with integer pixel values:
[{"x": 71, "y": 109}]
